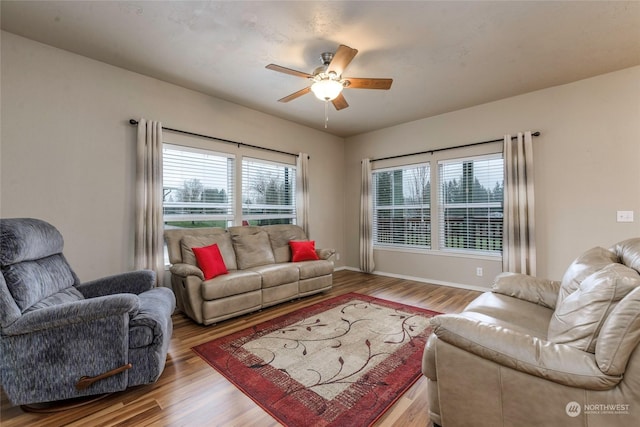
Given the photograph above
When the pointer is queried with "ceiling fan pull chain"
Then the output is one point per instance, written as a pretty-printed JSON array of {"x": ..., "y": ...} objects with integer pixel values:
[{"x": 326, "y": 114}]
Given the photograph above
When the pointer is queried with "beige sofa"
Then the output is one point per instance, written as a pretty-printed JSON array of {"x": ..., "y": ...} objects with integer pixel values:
[
  {"x": 536, "y": 352},
  {"x": 260, "y": 270}
]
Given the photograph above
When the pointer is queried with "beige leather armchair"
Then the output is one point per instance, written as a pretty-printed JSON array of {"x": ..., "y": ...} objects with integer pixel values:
[{"x": 537, "y": 352}]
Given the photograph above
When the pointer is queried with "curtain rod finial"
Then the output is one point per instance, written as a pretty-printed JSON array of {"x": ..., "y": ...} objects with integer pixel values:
[{"x": 133, "y": 122}]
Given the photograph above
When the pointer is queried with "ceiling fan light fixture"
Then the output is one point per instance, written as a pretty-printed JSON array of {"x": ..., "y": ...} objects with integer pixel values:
[{"x": 326, "y": 89}]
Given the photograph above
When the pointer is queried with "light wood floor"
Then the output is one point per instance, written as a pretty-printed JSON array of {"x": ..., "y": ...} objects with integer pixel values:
[{"x": 191, "y": 393}]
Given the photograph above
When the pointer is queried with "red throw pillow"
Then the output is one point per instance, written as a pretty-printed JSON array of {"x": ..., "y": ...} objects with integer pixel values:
[
  {"x": 210, "y": 261},
  {"x": 303, "y": 250}
]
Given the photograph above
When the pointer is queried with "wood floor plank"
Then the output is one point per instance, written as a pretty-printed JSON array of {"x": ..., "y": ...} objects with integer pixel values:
[{"x": 191, "y": 393}]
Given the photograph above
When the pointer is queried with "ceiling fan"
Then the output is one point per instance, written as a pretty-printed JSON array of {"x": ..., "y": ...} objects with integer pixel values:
[{"x": 327, "y": 81}]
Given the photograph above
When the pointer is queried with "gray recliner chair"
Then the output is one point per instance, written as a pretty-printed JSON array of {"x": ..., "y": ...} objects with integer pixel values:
[{"x": 62, "y": 339}]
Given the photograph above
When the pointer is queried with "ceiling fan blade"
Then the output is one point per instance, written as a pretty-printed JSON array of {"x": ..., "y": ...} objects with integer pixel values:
[
  {"x": 341, "y": 59},
  {"x": 339, "y": 102},
  {"x": 295, "y": 95},
  {"x": 289, "y": 71},
  {"x": 358, "y": 83}
]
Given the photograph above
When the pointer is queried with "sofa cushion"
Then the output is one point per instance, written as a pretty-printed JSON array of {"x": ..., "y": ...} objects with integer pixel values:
[
  {"x": 280, "y": 235},
  {"x": 277, "y": 274},
  {"x": 578, "y": 319},
  {"x": 68, "y": 295},
  {"x": 585, "y": 265},
  {"x": 253, "y": 250},
  {"x": 310, "y": 269},
  {"x": 223, "y": 240},
  {"x": 303, "y": 250},
  {"x": 234, "y": 283},
  {"x": 210, "y": 261}
]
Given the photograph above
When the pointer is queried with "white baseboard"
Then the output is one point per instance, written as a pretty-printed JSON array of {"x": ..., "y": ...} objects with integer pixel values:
[{"x": 422, "y": 280}]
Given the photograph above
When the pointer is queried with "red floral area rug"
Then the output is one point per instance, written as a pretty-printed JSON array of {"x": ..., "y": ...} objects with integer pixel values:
[{"x": 339, "y": 362}]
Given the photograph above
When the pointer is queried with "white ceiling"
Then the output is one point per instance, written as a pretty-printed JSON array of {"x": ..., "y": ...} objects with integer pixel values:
[{"x": 442, "y": 55}]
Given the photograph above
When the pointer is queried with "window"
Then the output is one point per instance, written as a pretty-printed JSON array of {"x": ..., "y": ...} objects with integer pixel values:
[
  {"x": 268, "y": 192},
  {"x": 197, "y": 188},
  {"x": 401, "y": 206},
  {"x": 471, "y": 203}
]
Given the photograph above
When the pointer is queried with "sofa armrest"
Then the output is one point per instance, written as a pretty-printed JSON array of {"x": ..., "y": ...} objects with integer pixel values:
[
  {"x": 133, "y": 282},
  {"x": 325, "y": 253},
  {"x": 75, "y": 313},
  {"x": 543, "y": 292},
  {"x": 184, "y": 270},
  {"x": 429, "y": 367},
  {"x": 559, "y": 363}
]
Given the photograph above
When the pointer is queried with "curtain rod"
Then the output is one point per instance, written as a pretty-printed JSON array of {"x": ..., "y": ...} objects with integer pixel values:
[
  {"x": 446, "y": 148},
  {"x": 228, "y": 141}
]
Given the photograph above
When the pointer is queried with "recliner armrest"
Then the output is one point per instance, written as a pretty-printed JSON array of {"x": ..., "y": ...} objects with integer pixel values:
[
  {"x": 325, "y": 253},
  {"x": 133, "y": 282},
  {"x": 184, "y": 270},
  {"x": 543, "y": 292},
  {"x": 559, "y": 363},
  {"x": 83, "y": 311}
]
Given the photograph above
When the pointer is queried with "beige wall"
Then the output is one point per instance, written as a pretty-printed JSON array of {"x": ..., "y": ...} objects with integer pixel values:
[
  {"x": 586, "y": 168},
  {"x": 67, "y": 157},
  {"x": 67, "y": 150}
]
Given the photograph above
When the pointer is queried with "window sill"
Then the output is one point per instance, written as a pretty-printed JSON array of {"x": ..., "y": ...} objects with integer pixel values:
[{"x": 446, "y": 253}]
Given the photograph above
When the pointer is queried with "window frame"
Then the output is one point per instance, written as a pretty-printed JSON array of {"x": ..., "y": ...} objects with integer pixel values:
[
  {"x": 226, "y": 217},
  {"x": 442, "y": 206},
  {"x": 289, "y": 217},
  {"x": 424, "y": 218}
]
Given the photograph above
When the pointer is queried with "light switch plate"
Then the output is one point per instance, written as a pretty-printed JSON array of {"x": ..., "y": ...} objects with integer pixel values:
[{"x": 624, "y": 216}]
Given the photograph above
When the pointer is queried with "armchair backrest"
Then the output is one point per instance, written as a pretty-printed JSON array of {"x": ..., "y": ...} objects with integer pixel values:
[
  {"x": 602, "y": 296},
  {"x": 35, "y": 273},
  {"x": 628, "y": 252}
]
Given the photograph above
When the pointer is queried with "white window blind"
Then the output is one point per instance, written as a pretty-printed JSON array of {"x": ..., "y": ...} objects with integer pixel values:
[
  {"x": 197, "y": 187},
  {"x": 401, "y": 206},
  {"x": 268, "y": 192},
  {"x": 471, "y": 203}
]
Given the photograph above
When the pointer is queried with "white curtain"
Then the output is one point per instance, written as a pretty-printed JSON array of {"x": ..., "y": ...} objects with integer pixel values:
[
  {"x": 366, "y": 245},
  {"x": 519, "y": 245},
  {"x": 149, "y": 247},
  {"x": 302, "y": 192}
]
